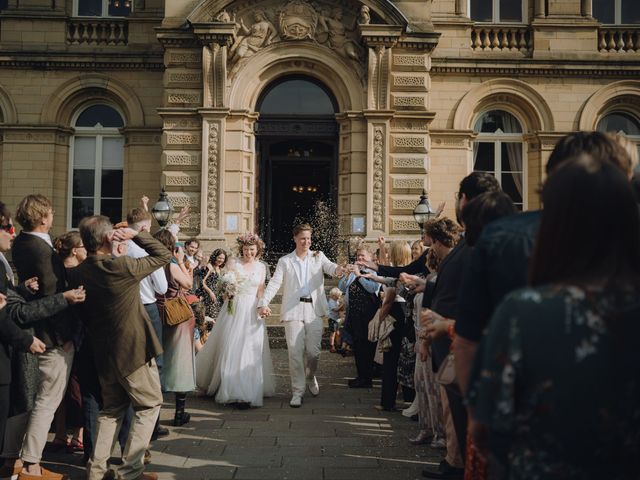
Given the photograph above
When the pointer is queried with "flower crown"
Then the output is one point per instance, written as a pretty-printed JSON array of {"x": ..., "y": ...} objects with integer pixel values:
[{"x": 247, "y": 238}]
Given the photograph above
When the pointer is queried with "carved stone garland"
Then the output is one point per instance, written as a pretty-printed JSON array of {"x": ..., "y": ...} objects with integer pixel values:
[
  {"x": 378, "y": 178},
  {"x": 212, "y": 189}
]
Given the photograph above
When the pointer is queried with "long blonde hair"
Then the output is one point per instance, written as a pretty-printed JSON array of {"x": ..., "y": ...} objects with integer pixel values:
[{"x": 400, "y": 253}]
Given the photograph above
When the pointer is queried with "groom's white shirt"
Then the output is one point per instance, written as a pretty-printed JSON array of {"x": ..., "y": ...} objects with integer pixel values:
[{"x": 290, "y": 275}]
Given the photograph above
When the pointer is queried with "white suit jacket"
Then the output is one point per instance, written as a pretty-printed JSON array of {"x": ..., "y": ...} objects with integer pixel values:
[{"x": 286, "y": 275}]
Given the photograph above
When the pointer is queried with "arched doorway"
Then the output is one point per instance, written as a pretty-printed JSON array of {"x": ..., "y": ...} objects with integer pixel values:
[{"x": 297, "y": 147}]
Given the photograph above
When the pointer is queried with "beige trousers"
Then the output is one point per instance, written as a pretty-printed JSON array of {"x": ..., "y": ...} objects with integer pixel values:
[
  {"x": 55, "y": 367},
  {"x": 303, "y": 343},
  {"x": 140, "y": 389},
  {"x": 453, "y": 456}
]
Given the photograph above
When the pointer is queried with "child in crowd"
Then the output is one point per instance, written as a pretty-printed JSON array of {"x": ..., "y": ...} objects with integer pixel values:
[{"x": 335, "y": 306}]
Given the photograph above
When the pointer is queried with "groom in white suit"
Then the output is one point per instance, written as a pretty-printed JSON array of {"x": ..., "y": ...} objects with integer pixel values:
[{"x": 301, "y": 273}]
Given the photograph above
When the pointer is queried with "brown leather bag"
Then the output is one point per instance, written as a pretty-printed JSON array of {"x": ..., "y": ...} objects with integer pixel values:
[{"x": 176, "y": 310}]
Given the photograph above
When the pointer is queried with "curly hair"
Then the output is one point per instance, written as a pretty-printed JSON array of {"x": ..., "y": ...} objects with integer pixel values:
[
  {"x": 166, "y": 238},
  {"x": 214, "y": 255},
  {"x": 432, "y": 262},
  {"x": 249, "y": 239},
  {"x": 443, "y": 230}
]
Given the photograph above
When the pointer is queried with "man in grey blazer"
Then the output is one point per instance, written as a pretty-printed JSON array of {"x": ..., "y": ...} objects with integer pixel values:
[{"x": 301, "y": 274}]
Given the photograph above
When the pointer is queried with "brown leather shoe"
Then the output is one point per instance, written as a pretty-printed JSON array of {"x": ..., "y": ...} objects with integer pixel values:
[{"x": 44, "y": 475}]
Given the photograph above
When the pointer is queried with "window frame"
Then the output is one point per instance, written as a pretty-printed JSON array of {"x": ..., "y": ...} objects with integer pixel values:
[
  {"x": 99, "y": 133},
  {"x": 105, "y": 11},
  {"x": 498, "y": 139},
  {"x": 634, "y": 138},
  {"x": 495, "y": 13}
]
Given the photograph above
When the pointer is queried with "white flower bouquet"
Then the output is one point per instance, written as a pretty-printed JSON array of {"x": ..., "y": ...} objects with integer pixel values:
[{"x": 230, "y": 284}]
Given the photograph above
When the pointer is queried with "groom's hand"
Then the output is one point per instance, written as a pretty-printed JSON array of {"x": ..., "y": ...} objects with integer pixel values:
[
  {"x": 264, "y": 312},
  {"x": 368, "y": 264}
]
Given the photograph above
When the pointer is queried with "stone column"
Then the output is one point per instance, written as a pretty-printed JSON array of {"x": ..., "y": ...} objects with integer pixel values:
[
  {"x": 461, "y": 8},
  {"x": 586, "y": 8},
  {"x": 539, "y": 9}
]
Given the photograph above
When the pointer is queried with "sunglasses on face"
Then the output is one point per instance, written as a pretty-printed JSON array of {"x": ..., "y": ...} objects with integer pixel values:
[{"x": 9, "y": 228}]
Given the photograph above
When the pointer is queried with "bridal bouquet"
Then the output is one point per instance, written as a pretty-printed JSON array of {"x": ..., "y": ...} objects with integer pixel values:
[{"x": 229, "y": 285}]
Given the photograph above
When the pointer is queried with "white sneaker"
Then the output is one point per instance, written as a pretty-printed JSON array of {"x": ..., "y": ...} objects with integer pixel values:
[
  {"x": 313, "y": 386},
  {"x": 411, "y": 410},
  {"x": 438, "y": 442},
  {"x": 296, "y": 401}
]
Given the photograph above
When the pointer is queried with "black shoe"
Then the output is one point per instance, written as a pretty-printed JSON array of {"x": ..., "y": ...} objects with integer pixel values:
[
  {"x": 359, "y": 383},
  {"x": 243, "y": 405},
  {"x": 181, "y": 418},
  {"x": 159, "y": 431},
  {"x": 444, "y": 471}
]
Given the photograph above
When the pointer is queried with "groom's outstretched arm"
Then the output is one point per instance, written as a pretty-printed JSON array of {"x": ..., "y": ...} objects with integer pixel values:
[
  {"x": 273, "y": 286},
  {"x": 330, "y": 268}
]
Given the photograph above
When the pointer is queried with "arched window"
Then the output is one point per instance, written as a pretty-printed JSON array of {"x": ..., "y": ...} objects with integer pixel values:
[
  {"x": 498, "y": 149},
  {"x": 498, "y": 11},
  {"x": 103, "y": 8},
  {"x": 296, "y": 96},
  {"x": 624, "y": 123},
  {"x": 97, "y": 164},
  {"x": 616, "y": 12}
]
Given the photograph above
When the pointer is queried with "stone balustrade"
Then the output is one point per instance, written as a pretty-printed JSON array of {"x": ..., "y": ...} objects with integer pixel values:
[
  {"x": 618, "y": 39},
  {"x": 501, "y": 38},
  {"x": 98, "y": 31}
]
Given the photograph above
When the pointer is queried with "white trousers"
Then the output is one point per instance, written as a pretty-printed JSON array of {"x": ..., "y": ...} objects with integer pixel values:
[{"x": 303, "y": 342}]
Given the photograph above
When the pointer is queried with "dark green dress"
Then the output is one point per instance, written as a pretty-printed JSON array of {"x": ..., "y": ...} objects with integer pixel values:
[{"x": 557, "y": 382}]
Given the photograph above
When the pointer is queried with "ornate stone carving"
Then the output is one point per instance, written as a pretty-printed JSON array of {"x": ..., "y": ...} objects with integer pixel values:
[
  {"x": 184, "y": 199},
  {"x": 173, "y": 98},
  {"x": 182, "y": 138},
  {"x": 181, "y": 179},
  {"x": 365, "y": 15},
  {"x": 182, "y": 123},
  {"x": 409, "y": 81},
  {"x": 212, "y": 176},
  {"x": 409, "y": 144},
  {"x": 410, "y": 61},
  {"x": 409, "y": 125},
  {"x": 184, "y": 57},
  {"x": 298, "y": 20},
  {"x": 378, "y": 178},
  {"x": 185, "y": 77},
  {"x": 409, "y": 102},
  {"x": 408, "y": 183},
  {"x": 181, "y": 159},
  {"x": 409, "y": 163},
  {"x": 404, "y": 204},
  {"x": 404, "y": 225}
]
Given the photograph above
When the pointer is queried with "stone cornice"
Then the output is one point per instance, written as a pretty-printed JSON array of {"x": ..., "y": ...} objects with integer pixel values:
[
  {"x": 176, "y": 37},
  {"x": 561, "y": 68},
  {"x": 425, "y": 41},
  {"x": 89, "y": 65},
  {"x": 375, "y": 35},
  {"x": 216, "y": 32}
]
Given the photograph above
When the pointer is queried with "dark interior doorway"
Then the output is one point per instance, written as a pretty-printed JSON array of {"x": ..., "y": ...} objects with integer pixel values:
[{"x": 297, "y": 146}]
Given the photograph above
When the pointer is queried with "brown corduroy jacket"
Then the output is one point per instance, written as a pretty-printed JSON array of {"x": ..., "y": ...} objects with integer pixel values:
[{"x": 119, "y": 328}]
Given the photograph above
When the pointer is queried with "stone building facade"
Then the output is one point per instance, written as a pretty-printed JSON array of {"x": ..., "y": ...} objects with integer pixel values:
[{"x": 98, "y": 107}]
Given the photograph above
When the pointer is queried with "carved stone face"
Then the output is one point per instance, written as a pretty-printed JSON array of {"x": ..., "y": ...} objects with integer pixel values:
[{"x": 297, "y": 30}]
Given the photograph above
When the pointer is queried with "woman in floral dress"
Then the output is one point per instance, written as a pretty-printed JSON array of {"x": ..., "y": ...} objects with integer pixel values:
[
  {"x": 556, "y": 387},
  {"x": 210, "y": 278}
]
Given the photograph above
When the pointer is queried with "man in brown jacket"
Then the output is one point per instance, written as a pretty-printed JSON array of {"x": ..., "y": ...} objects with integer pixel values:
[{"x": 123, "y": 340}]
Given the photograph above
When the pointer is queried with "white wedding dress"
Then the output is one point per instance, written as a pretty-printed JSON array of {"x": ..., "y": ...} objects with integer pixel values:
[{"x": 235, "y": 363}]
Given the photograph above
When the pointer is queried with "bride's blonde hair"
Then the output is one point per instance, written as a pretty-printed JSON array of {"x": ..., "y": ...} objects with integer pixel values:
[{"x": 248, "y": 239}]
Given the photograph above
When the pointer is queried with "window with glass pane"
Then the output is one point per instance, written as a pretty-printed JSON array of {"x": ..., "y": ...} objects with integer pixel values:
[
  {"x": 629, "y": 11},
  {"x": 619, "y": 122},
  {"x": 508, "y": 11},
  {"x": 98, "y": 162},
  {"x": 498, "y": 150},
  {"x": 103, "y": 8},
  {"x": 617, "y": 12},
  {"x": 297, "y": 96}
]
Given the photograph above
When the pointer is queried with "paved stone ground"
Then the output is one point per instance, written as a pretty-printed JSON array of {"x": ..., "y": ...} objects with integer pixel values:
[{"x": 337, "y": 435}]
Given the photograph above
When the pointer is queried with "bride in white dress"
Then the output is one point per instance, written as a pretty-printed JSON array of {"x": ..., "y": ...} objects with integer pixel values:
[{"x": 235, "y": 364}]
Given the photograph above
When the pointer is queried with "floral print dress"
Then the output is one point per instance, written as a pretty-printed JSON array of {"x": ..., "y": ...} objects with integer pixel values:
[{"x": 557, "y": 383}]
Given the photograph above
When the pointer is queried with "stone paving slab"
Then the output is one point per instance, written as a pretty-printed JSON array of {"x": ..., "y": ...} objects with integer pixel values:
[{"x": 337, "y": 435}]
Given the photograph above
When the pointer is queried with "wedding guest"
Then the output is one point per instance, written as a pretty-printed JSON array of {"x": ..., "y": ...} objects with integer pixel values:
[
  {"x": 361, "y": 304},
  {"x": 70, "y": 248},
  {"x": 212, "y": 300},
  {"x": 191, "y": 247},
  {"x": 178, "y": 342},
  {"x": 569, "y": 410},
  {"x": 154, "y": 284},
  {"x": 25, "y": 381},
  {"x": 417, "y": 249},
  {"x": 335, "y": 305},
  {"x": 123, "y": 340},
  {"x": 34, "y": 256}
]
